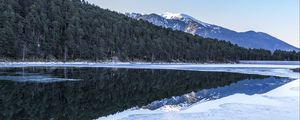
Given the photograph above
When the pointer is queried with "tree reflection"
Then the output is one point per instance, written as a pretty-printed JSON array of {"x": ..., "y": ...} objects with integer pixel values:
[{"x": 100, "y": 91}]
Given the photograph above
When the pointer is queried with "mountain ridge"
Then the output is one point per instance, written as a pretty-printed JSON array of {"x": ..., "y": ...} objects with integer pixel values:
[{"x": 189, "y": 24}]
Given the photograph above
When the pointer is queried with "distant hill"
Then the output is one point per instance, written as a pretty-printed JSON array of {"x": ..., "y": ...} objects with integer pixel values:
[
  {"x": 186, "y": 23},
  {"x": 74, "y": 30}
]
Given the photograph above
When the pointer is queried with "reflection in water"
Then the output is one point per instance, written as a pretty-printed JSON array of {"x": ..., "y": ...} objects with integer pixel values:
[
  {"x": 34, "y": 76},
  {"x": 100, "y": 91},
  {"x": 249, "y": 87}
]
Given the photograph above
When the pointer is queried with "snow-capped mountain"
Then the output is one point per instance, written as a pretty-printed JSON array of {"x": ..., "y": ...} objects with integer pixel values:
[{"x": 186, "y": 23}]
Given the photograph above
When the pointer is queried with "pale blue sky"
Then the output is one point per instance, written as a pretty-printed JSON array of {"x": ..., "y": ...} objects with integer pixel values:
[{"x": 279, "y": 18}]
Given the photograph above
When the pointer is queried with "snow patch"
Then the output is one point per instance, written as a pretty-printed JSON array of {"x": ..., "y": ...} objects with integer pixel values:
[{"x": 183, "y": 17}]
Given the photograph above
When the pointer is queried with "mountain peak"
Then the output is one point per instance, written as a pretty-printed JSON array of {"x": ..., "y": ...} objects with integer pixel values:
[
  {"x": 182, "y": 17},
  {"x": 169, "y": 15}
]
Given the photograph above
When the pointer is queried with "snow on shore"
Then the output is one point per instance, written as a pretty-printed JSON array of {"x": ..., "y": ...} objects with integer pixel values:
[
  {"x": 271, "y": 62},
  {"x": 279, "y": 104}
]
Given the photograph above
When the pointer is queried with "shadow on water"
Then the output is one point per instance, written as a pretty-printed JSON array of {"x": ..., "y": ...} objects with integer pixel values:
[{"x": 103, "y": 91}]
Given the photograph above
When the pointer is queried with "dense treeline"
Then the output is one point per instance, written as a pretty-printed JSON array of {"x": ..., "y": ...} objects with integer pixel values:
[{"x": 76, "y": 30}]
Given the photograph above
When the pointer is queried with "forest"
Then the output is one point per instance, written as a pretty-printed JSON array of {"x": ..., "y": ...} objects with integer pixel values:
[{"x": 75, "y": 30}]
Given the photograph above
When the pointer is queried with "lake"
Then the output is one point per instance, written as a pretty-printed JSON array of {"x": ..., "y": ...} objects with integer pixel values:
[{"x": 91, "y": 92}]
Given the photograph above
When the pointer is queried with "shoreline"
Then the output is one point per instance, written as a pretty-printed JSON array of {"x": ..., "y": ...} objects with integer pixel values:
[
  {"x": 87, "y": 62},
  {"x": 141, "y": 62},
  {"x": 262, "y": 69}
]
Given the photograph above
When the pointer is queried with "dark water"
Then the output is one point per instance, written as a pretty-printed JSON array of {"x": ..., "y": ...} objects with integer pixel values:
[{"x": 43, "y": 93}]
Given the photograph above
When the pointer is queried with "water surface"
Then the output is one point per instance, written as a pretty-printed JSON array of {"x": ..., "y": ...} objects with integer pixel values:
[{"x": 88, "y": 93}]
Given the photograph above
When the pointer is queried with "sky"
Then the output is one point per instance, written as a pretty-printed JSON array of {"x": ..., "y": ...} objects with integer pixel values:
[{"x": 279, "y": 18}]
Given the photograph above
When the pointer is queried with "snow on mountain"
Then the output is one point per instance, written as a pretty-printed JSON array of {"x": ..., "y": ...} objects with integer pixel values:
[
  {"x": 186, "y": 23},
  {"x": 169, "y": 15},
  {"x": 182, "y": 17}
]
